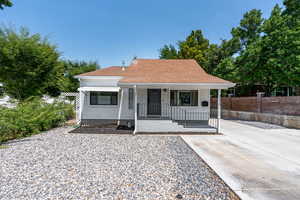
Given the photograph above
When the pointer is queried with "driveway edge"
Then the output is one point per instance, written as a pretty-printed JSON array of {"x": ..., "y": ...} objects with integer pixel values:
[{"x": 226, "y": 179}]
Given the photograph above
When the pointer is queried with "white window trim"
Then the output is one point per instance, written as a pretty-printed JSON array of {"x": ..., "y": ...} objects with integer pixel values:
[{"x": 100, "y": 106}]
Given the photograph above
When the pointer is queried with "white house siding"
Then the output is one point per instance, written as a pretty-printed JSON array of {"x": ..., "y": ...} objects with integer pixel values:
[
  {"x": 126, "y": 113},
  {"x": 193, "y": 112},
  {"x": 99, "y": 111},
  {"x": 204, "y": 95},
  {"x": 142, "y": 101},
  {"x": 142, "y": 96},
  {"x": 165, "y": 101},
  {"x": 111, "y": 81},
  {"x": 112, "y": 111},
  {"x": 196, "y": 112}
]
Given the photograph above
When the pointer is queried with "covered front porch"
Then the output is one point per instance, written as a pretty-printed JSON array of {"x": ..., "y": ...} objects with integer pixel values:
[
  {"x": 150, "y": 109},
  {"x": 169, "y": 109}
]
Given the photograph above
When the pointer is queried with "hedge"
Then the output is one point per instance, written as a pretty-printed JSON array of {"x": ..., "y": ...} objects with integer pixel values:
[{"x": 31, "y": 117}]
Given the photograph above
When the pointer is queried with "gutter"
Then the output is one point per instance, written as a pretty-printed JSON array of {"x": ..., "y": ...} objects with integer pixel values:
[{"x": 208, "y": 85}]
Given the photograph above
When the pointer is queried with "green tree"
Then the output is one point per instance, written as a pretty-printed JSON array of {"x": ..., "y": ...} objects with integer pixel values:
[
  {"x": 249, "y": 29},
  {"x": 281, "y": 45},
  {"x": 73, "y": 68},
  {"x": 218, "y": 55},
  {"x": 247, "y": 33},
  {"x": 29, "y": 64},
  {"x": 292, "y": 9},
  {"x": 274, "y": 59},
  {"x": 4, "y": 3},
  {"x": 261, "y": 51},
  {"x": 194, "y": 47},
  {"x": 213, "y": 57},
  {"x": 168, "y": 52}
]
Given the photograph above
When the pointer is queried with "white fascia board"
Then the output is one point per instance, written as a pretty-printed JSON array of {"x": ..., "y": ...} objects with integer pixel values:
[
  {"x": 98, "y": 77},
  {"x": 100, "y": 89},
  {"x": 200, "y": 85}
]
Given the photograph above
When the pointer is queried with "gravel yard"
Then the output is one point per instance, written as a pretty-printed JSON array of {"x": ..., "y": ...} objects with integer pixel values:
[{"x": 60, "y": 165}]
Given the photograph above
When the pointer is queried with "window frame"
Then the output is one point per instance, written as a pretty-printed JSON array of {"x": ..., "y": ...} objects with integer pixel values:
[
  {"x": 116, "y": 94},
  {"x": 182, "y": 95},
  {"x": 177, "y": 100}
]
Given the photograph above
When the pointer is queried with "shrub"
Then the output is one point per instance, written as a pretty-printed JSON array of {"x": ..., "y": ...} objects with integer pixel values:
[{"x": 31, "y": 117}]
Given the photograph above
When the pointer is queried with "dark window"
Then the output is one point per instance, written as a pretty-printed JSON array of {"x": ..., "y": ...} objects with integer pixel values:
[
  {"x": 104, "y": 98},
  {"x": 130, "y": 98},
  {"x": 184, "y": 98},
  {"x": 194, "y": 97},
  {"x": 173, "y": 97}
]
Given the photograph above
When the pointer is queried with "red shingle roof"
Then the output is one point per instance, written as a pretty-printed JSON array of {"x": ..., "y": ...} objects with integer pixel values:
[
  {"x": 108, "y": 71},
  {"x": 160, "y": 71}
]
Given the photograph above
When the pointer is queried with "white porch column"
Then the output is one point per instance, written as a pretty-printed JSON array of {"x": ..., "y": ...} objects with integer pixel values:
[
  {"x": 81, "y": 104},
  {"x": 120, "y": 106},
  {"x": 219, "y": 111},
  {"x": 135, "y": 110}
]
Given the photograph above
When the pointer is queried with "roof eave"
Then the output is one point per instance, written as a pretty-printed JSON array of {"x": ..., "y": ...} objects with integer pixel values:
[
  {"x": 204, "y": 85},
  {"x": 97, "y": 77}
]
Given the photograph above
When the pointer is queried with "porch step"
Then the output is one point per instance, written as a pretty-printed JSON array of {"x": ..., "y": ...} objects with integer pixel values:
[
  {"x": 168, "y": 126},
  {"x": 198, "y": 124}
]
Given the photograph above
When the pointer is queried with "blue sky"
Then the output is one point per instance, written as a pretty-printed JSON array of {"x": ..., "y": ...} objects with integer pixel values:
[{"x": 114, "y": 30}]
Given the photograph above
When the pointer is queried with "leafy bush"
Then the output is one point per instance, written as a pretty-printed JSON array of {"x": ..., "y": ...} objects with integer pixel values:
[
  {"x": 31, "y": 117},
  {"x": 30, "y": 64}
]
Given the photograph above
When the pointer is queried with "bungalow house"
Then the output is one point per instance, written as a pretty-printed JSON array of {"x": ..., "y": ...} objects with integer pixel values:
[{"x": 151, "y": 95}]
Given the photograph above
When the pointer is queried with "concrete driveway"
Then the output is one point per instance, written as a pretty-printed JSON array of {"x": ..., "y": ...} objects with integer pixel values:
[{"x": 256, "y": 160}]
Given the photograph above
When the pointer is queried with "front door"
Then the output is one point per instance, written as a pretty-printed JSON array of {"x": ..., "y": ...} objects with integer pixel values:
[{"x": 154, "y": 102}]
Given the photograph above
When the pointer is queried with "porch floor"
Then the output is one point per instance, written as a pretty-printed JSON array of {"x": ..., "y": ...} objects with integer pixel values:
[{"x": 152, "y": 125}]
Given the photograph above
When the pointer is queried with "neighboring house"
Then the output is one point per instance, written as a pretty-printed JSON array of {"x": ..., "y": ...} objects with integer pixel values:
[{"x": 152, "y": 95}]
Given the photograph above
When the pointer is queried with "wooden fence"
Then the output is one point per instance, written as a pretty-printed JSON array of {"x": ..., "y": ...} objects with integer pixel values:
[{"x": 276, "y": 105}]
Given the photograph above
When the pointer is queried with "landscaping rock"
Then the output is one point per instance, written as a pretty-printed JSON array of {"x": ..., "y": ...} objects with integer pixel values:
[{"x": 61, "y": 165}]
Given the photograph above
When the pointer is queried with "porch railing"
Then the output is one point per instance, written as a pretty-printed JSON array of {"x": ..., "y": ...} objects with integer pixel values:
[
  {"x": 213, "y": 118},
  {"x": 181, "y": 114}
]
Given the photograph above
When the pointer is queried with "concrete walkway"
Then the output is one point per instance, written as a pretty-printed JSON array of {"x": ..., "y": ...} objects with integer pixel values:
[{"x": 257, "y": 163}]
